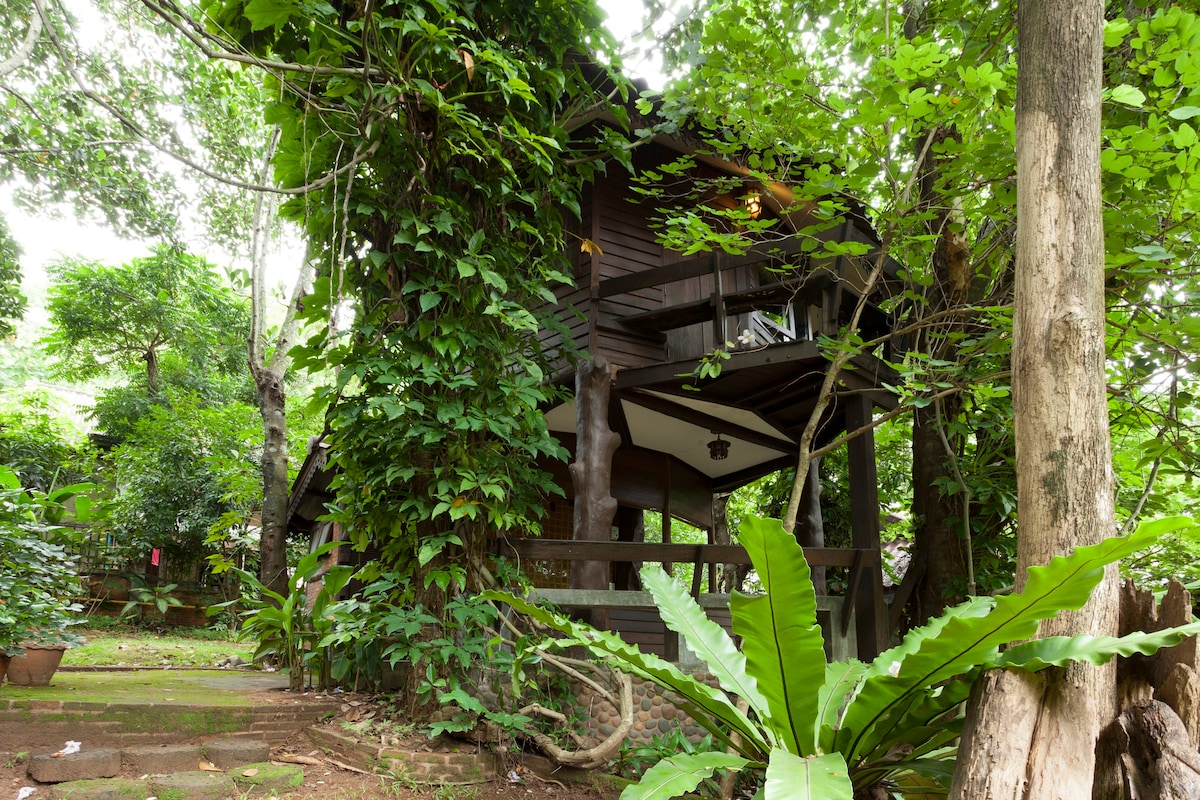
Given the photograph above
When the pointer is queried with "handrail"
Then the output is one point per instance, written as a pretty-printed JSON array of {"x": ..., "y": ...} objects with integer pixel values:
[
  {"x": 574, "y": 550},
  {"x": 695, "y": 266}
]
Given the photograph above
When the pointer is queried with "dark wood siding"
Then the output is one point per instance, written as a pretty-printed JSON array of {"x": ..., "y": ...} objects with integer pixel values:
[{"x": 628, "y": 245}]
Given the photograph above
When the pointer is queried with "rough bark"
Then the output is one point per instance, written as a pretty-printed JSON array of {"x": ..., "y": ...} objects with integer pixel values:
[
  {"x": 810, "y": 526},
  {"x": 1064, "y": 472},
  {"x": 591, "y": 471},
  {"x": 936, "y": 539},
  {"x": 268, "y": 372},
  {"x": 273, "y": 537},
  {"x": 1159, "y": 763}
]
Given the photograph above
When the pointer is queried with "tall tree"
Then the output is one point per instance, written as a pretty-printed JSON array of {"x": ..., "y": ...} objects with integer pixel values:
[
  {"x": 125, "y": 318},
  {"x": 1034, "y": 736},
  {"x": 428, "y": 152},
  {"x": 269, "y": 364}
]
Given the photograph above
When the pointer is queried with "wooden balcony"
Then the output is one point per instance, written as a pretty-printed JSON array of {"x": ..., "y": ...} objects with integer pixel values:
[{"x": 633, "y": 613}]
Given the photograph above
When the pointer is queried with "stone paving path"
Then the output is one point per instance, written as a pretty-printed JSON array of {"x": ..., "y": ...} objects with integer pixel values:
[{"x": 217, "y": 769}]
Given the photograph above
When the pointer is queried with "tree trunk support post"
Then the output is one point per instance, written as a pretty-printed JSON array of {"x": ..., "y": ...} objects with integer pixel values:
[
  {"x": 869, "y": 607},
  {"x": 591, "y": 472}
]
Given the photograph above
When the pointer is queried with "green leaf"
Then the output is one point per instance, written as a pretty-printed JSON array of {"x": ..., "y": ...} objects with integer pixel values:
[
  {"x": 1058, "y": 651},
  {"x": 970, "y": 635},
  {"x": 780, "y": 636},
  {"x": 1128, "y": 95},
  {"x": 704, "y": 637},
  {"x": 267, "y": 13},
  {"x": 680, "y": 774},
  {"x": 793, "y": 777},
  {"x": 1184, "y": 112},
  {"x": 709, "y": 707},
  {"x": 1184, "y": 136}
]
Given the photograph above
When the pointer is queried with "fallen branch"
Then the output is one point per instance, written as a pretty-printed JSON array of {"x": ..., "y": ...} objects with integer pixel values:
[
  {"x": 289, "y": 758},
  {"x": 347, "y": 767}
]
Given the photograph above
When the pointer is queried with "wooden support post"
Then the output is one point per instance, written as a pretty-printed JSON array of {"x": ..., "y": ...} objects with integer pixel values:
[
  {"x": 591, "y": 472},
  {"x": 718, "y": 300},
  {"x": 869, "y": 607}
]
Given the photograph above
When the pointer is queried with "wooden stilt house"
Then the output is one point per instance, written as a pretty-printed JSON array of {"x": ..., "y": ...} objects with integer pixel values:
[{"x": 645, "y": 433}]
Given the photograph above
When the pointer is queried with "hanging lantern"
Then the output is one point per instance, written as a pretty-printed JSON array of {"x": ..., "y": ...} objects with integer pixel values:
[{"x": 718, "y": 449}]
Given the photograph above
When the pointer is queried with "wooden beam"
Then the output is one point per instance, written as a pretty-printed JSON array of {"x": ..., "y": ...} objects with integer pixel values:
[
  {"x": 696, "y": 266},
  {"x": 727, "y": 483},
  {"x": 669, "y": 373},
  {"x": 680, "y": 315},
  {"x": 615, "y": 598},
  {"x": 567, "y": 550},
  {"x": 699, "y": 418}
]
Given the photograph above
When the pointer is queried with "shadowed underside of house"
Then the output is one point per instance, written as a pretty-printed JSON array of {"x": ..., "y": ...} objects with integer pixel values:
[{"x": 644, "y": 433}]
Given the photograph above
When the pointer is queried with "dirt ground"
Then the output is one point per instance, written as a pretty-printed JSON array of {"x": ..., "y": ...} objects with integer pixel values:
[
  {"x": 331, "y": 783},
  {"x": 328, "y": 781}
]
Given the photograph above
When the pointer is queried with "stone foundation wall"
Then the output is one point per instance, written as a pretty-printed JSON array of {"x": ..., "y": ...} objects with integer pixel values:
[
  {"x": 653, "y": 714},
  {"x": 468, "y": 765}
]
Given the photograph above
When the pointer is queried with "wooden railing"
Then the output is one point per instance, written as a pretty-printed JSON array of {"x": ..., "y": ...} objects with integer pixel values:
[{"x": 857, "y": 560}]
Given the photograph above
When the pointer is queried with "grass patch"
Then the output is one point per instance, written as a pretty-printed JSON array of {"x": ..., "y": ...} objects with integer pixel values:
[
  {"x": 151, "y": 688},
  {"x": 133, "y": 648}
]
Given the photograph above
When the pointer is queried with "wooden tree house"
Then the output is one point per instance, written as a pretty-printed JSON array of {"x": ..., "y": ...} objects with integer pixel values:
[{"x": 644, "y": 433}]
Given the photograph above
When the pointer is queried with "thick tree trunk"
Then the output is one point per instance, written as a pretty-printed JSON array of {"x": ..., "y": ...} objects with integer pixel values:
[
  {"x": 591, "y": 474},
  {"x": 273, "y": 537},
  {"x": 939, "y": 542},
  {"x": 937, "y": 539},
  {"x": 1035, "y": 737}
]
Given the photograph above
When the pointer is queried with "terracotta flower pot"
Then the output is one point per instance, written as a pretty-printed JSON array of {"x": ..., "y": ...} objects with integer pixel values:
[{"x": 37, "y": 666}]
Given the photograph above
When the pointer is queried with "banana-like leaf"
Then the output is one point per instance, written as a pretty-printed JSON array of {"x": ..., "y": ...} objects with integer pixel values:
[
  {"x": 967, "y": 640},
  {"x": 842, "y": 682},
  {"x": 709, "y": 707},
  {"x": 922, "y": 721},
  {"x": 784, "y": 650},
  {"x": 793, "y": 777},
  {"x": 705, "y": 638},
  {"x": 1057, "y": 651},
  {"x": 680, "y": 774}
]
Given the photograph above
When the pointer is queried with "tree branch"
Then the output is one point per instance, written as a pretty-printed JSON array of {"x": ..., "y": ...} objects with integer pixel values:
[
  {"x": 25, "y": 49},
  {"x": 133, "y": 127}
]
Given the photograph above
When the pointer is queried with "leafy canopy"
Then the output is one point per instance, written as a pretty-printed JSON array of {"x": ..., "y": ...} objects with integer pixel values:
[{"x": 431, "y": 149}]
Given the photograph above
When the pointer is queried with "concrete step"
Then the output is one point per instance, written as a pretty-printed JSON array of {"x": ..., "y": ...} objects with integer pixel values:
[
  {"x": 90, "y": 763},
  {"x": 189, "y": 785}
]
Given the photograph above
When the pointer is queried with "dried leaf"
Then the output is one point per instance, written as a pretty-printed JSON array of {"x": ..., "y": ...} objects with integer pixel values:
[
  {"x": 590, "y": 247},
  {"x": 249, "y": 773},
  {"x": 208, "y": 766},
  {"x": 469, "y": 62}
]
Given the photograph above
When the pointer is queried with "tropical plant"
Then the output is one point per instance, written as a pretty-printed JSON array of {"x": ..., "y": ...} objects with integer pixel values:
[
  {"x": 157, "y": 597},
  {"x": 37, "y": 579},
  {"x": 828, "y": 730},
  {"x": 289, "y": 628}
]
